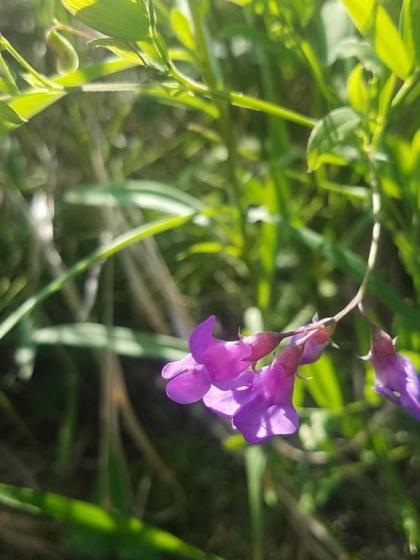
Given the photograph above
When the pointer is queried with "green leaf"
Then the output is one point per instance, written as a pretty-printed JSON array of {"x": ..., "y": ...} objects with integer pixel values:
[
  {"x": 182, "y": 29},
  {"x": 143, "y": 194},
  {"x": 118, "y": 47},
  {"x": 354, "y": 47},
  {"x": 30, "y": 103},
  {"x": 372, "y": 20},
  {"x": 124, "y": 19},
  {"x": 120, "y": 340},
  {"x": 357, "y": 90},
  {"x": 329, "y": 133},
  {"x": 410, "y": 27},
  {"x": 336, "y": 27},
  {"x": 127, "y": 531},
  {"x": 9, "y": 116},
  {"x": 118, "y": 244},
  {"x": 175, "y": 97},
  {"x": 323, "y": 384},
  {"x": 66, "y": 55}
]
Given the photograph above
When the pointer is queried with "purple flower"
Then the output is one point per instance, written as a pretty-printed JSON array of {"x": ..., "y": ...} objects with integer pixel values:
[
  {"x": 314, "y": 343},
  {"x": 213, "y": 362},
  {"x": 260, "y": 404},
  {"x": 188, "y": 380},
  {"x": 226, "y": 360},
  {"x": 395, "y": 376}
]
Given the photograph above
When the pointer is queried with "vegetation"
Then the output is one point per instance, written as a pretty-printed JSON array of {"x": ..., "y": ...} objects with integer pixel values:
[{"x": 165, "y": 161}]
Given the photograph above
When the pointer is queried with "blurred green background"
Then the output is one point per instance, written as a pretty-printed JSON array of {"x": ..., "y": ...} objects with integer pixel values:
[{"x": 253, "y": 225}]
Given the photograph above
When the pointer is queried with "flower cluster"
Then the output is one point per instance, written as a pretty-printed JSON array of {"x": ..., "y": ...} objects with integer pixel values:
[
  {"x": 258, "y": 403},
  {"x": 223, "y": 375}
]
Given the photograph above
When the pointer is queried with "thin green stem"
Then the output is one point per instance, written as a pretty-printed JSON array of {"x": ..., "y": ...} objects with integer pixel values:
[
  {"x": 49, "y": 84},
  {"x": 373, "y": 251},
  {"x": 404, "y": 90},
  {"x": 8, "y": 76}
]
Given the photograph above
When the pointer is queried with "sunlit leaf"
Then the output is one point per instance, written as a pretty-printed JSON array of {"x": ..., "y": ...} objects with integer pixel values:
[
  {"x": 357, "y": 90},
  {"x": 127, "y": 531},
  {"x": 329, "y": 133},
  {"x": 125, "y": 19},
  {"x": 9, "y": 116},
  {"x": 28, "y": 104},
  {"x": 118, "y": 47},
  {"x": 410, "y": 27},
  {"x": 373, "y": 21},
  {"x": 182, "y": 29}
]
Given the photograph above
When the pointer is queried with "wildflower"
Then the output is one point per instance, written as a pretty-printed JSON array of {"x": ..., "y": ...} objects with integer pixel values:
[
  {"x": 395, "y": 375},
  {"x": 226, "y": 360},
  {"x": 188, "y": 380},
  {"x": 260, "y": 404},
  {"x": 315, "y": 342},
  {"x": 213, "y": 361}
]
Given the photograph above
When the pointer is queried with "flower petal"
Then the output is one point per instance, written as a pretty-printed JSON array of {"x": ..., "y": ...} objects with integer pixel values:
[
  {"x": 187, "y": 363},
  {"x": 226, "y": 360},
  {"x": 257, "y": 422},
  {"x": 226, "y": 403},
  {"x": 410, "y": 398},
  {"x": 188, "y": 387},
  {"x": 201, "y": 338}
]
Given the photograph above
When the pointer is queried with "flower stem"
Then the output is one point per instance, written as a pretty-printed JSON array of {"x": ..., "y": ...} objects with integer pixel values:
[
  {"x": 40, "y": 78},
  {"x": 373, "y": 252}
]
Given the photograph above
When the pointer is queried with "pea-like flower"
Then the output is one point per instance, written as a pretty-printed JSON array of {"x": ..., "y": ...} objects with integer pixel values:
[
  {"x": 214, "y": 362},
  {"x": 314, "y": 343},
  {"x": 260, "y": 404},
  {"x": 395, "y": 375}
]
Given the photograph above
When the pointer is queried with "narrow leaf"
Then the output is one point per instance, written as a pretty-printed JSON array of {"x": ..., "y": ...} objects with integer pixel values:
[
  {"x": 373, "y": 21},
  {"x": 410, "y": 26},
  {"x": 126, "y": 530},
  {"x": 125, "y": 19},
  {"x": 142, "y": 194},
  {"x": 120, "y": 340},
  {"x": 329, "y": 133}
]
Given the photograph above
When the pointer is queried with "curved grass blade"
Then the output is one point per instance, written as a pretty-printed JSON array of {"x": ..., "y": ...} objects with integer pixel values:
[
  {"x": 119, "y": 340},
  {"x": 142, "y": 194},
  {"x": 125, "y": 530},
  {"x": 100, "y": 254}
]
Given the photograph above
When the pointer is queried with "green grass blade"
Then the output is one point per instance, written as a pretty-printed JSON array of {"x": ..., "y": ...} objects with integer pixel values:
[
  {"x": 119, "y": 340},
  {"x": 127, "y": 530},
  {"x": 142, "y": 194},
  {"x": 255, "y": 466},
  {"x": 100, "y": 254}
]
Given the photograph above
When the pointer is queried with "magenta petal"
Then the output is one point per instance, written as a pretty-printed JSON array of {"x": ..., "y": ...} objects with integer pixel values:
[
  {"x": 226, "y": 360},
  {"x": 201, "y": 338},
  {"x": 388, "y": 393},
  {"x": 410, "y": 397},
  {"x": 226, "y": 403},
  {"x": 258, "y": 423},
  {"x": 188, "y": 387},
  {"x": 172, "y": 369}
]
